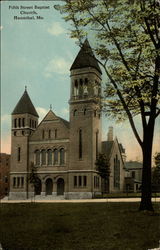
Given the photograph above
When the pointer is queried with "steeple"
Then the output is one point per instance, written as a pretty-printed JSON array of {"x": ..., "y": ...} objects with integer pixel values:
[
  {"x": 25, "y": 105},
  {"x": 85, "y": 58},
  {"x": 85, "y": 110}
]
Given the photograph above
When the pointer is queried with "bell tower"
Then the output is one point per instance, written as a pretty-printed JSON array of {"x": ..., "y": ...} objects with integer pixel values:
[
  {"x": 85, "y": 114},
  {"x": 24, "y": 122}
]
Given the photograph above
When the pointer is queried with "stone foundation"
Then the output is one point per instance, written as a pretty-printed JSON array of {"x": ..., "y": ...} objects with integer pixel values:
[
  {"x": 54, "y": 196},
  {"x": 17, "y": 196},
  {"x": 78, "y": 195}
]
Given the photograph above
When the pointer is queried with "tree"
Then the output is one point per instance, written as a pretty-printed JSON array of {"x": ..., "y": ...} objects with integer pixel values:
[
  {"x": 33, "y": 177},
  {"x": 157, "y": 160},
  {"x": 103, "y": 169},
  {"x": 126, "y": 40},
  {"x": 156, "y": 173}
]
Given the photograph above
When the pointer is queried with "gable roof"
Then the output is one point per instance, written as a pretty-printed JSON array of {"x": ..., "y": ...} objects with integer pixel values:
[
  {"x": 50, "y": 116},
  {"x": 25, "y": 105},
  {"x": 85, "y": 58},
  {"x": 121, "y": 148},
  {"x": 107, "y": 147}
]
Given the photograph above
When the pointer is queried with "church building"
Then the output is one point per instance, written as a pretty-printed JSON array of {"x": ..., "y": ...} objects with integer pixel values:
[{"x": 63, "y": 153}]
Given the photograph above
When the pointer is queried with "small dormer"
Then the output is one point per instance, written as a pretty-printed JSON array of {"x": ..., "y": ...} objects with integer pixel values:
[{"x": 24, "y": 115}]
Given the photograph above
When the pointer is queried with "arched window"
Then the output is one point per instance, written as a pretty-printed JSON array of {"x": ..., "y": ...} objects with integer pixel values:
[
  {"x": 116, "y": 172},
  {"x": 55, "y": 156},
  {"x": 75, "y": 112},
  {"x": 61, "y": 156},
  {"x": 80, "y": 143},
  {"x": 23, "y": 122},
  {"x": 32, "y": 124},
  {"x": 43, "y": 153},
  {"x": 55, "y": 133},
  {"x": 15, "y": 122},
  {"x": 35, "y": 124},
  {"x": 19, "y": 122},
  {"x": 49, "y": 134},
  {"x": 97, "y": 144},
  {"x": 14, "y": 181},
  {"x": 37, "y": 157},
  {"x": 81, "y": 88},
  {"x": 86, "y": 80},
  {"x": 19, "y": 154},
  {"x": 43, "y": 134},
  {"x": 85, "y": 111},
  {"x": 15, "y": 133},
  {"x": 76, "y": 88},
  {"x": 49, "y": 154}
]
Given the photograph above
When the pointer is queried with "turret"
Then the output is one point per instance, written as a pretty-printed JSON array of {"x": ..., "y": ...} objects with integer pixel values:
[
  {"x": 85, "y": 113},
  {"x": 85, "y": 75},
  {"x": 24, "y": 116},
  {"x": 24, "y": 122}
]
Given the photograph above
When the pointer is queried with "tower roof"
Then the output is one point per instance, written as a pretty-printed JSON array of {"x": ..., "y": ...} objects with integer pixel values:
[
  {"x": 25, "y": 105},
  {"x": 85, "y": 58}
]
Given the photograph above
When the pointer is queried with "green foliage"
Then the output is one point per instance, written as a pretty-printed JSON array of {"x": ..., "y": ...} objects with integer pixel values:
[
  {"x": 126, "y": 40},
  {"x": 157, "y": 160},
  {"x": 125, "y": 37},
  {"x": 33, "y": 177},
  {"x": 103, "y": 166},
  {"x": 156, "y": 172}
]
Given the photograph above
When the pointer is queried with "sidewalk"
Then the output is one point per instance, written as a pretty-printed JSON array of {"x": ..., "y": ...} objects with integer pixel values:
[{"x": 157, "y": 200}]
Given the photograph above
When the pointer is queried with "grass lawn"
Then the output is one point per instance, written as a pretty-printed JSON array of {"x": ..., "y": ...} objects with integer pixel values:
[
  {"x": 68, "y": 226},
  {"x": 125, "y": 195}
]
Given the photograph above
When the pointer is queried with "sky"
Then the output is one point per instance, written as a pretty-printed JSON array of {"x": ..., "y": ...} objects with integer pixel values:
[{"x": 38, "y": 54}]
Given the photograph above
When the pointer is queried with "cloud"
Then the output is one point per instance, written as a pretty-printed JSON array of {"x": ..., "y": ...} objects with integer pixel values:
[
  {"x": 56, "y": 29},
  {"x": 41, "y": 112},
  {"x": 6, "y": 118},
  {"x": 57, "y": 65},
  {"x": 65, "y": 111}
]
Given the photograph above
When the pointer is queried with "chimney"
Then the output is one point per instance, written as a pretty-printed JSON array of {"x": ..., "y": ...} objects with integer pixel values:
[{"x": 110, "y": 134}]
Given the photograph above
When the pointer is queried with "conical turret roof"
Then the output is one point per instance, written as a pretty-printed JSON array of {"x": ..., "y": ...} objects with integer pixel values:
[
  {"x": 85, "y": 58},
  {"x": 25, "y": 105}
]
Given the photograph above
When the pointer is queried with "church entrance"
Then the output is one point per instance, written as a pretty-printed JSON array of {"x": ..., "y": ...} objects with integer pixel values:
[
  {"x": 38, "y": 187},
  {"x": 60, "y": 186},
  {"x": 49, "y": 186}
]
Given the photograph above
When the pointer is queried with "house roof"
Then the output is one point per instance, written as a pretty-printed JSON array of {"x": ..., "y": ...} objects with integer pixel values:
[
  {"x": 122, "y": 149},
  {"x": 107, "y": 147},
  {"x": 66, "y": 123},
  {"x": 25, "y": 105},
  {"x": 85, "y": 58},
  {"x": 51, "y": 116},
  {"x": 133, "y": 165}
]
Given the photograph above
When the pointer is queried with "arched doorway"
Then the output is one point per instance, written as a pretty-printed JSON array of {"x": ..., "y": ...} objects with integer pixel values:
[
  {"x": 60, "y": 186},
  {"x": 37, "y": 187},
  {"x": 49, "y": 186}
]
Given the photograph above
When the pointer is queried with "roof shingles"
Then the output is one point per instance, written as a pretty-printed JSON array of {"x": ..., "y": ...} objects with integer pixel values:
[
  {"x": 25, "y": 105},
  {"x": 85, "y": 58}
]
